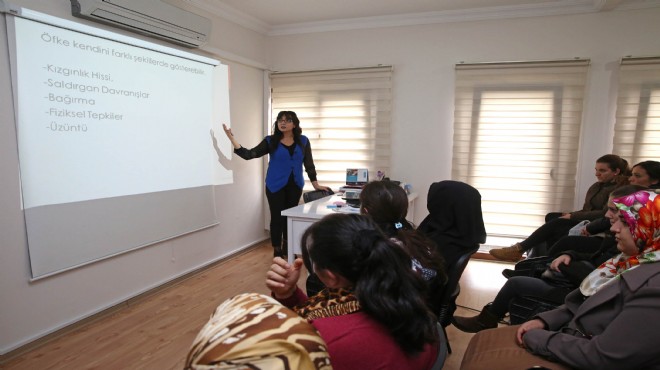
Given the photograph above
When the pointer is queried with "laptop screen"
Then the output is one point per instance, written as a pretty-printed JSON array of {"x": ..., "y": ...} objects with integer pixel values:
[{"x": 357, "y": 176}]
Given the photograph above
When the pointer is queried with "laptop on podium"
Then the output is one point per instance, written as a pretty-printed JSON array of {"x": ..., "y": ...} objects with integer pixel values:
[{"x": 356, "y": 178}]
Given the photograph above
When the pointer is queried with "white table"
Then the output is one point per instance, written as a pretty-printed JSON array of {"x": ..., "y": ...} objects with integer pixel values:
[{"x": 300, "y": 217}]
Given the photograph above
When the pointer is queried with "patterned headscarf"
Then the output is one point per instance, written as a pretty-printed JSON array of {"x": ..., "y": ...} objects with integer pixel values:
[
  {"x": 641, "y": 212},
  {"x": 254, "y": 331}
]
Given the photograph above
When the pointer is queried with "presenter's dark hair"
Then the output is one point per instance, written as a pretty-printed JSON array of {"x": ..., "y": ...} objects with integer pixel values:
[
  {"x": 388, "y": 290},
  {"x": 277, "y": 134}
]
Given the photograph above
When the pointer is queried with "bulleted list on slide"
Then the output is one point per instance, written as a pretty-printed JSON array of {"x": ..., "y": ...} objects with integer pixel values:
[{"x": 111, "y": 117}]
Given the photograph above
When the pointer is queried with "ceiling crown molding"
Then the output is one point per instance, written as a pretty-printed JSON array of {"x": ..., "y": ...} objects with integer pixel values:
[
  {"x": 564, "y": 7},
  {"x": 411, "y": 19}
]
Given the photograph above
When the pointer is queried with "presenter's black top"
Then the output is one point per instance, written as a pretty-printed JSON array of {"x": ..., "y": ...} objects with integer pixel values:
[{"x": 285, "y": 161}]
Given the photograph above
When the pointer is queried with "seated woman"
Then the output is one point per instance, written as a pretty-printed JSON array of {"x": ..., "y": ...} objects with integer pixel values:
[
  {"x": 455, "y": 222},
  {"x": 608, "y": 173},
  {"x": 253, "y": 331},
  {"x": 387, "y": 204},
  {"x": 595, "y": 244},
  {"x": 575, "y": 267},
  {"x": 372, "y": 315},
  {"x": 647, "y": 174},
  {"x": 605, "y": 324}
]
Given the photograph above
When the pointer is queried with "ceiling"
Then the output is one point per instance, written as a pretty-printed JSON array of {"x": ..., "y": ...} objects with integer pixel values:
[{"x": 276, "y": 17}]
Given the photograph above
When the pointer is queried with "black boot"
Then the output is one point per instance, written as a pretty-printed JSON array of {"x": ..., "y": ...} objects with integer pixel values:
[
  {"x": 277, "y": 251},
  {"x": 485, "y": 320}
]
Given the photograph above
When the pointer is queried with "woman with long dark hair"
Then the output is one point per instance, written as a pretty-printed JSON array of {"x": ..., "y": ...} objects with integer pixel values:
[
  {"x": 646, "y": 173},
  {"x": 289, "y": 151},
  {"x": 372, "y": 313}
]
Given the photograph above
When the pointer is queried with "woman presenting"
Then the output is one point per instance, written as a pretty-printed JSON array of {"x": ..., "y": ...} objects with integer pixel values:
[{"x": 289, "y": 150}]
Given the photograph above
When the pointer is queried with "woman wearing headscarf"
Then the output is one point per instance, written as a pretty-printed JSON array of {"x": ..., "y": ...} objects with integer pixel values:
[
  {"x": 572, "y": 267},
  {"x": 608, "y": 323},
  {"x": 254, "y": 331},
  {"x": 455, "y": 222}
]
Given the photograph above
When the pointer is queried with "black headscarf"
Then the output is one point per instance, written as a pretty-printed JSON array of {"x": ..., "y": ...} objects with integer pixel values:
[{"x": 455, "y": 220}]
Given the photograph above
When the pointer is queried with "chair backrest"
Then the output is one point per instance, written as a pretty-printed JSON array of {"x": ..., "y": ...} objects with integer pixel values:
[
  {"x": 443, "y": 349},
  {"x": 316, "y": 194},
  {"x": 446, "y": 299}
]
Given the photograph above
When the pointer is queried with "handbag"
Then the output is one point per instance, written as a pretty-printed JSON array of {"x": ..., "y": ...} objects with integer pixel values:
[
  {"x": 556, "y": 278},
  {"x": 534, "y": 266}
]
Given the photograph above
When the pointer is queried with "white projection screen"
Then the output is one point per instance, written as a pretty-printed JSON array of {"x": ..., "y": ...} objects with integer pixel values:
[{"x": 115, "y": 139}]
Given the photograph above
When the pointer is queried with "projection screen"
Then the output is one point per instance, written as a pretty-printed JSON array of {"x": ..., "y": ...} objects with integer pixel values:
[{"x": 115, "y": 138}]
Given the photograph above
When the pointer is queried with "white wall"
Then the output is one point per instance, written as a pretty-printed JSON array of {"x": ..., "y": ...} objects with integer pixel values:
[
  {"x": 29, "y": 310},
  {"x": 424, "y": 57}
]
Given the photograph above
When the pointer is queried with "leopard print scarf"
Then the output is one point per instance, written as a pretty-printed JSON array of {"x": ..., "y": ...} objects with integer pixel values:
[
  {"x": 254, "y": 331},
  {"x": 328, "y": 303}
]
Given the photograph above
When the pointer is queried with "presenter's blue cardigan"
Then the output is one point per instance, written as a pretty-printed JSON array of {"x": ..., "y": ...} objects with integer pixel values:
[{"x": 283, "y": 162}]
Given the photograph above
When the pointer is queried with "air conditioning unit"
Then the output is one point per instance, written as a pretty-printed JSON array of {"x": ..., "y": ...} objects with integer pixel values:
[{"x": 149, "y": 17}]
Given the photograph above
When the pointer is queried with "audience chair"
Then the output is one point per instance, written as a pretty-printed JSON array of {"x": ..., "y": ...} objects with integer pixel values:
[
  {"x": 443, "y": 348},
  {"x": 446, "y": 299}
]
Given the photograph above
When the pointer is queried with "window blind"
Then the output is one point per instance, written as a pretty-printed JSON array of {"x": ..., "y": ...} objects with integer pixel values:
[
  {"x": 637, "y": 127},
  {"x": 345, "y": 114},
  {"x": 516, "y": 137}
]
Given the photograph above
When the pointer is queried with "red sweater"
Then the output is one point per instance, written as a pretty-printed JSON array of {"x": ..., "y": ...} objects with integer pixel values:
[{"x": 356, "y": 341}]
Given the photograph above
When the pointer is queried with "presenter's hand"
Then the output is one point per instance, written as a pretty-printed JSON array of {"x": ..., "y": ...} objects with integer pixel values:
[
  {"x": 230, "y": 135},
  {"x": 227, "y": 131},
  {"x": 316, "y": 186},
  {"x": 527, "y": 326},
  {"x": 282, "y": 278}
]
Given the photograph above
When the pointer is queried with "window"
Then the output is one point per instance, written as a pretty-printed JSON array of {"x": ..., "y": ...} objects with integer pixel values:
[
  {"x": 516, "y": 136},
  {"x": 637, "y": 128},
  {"x": 345, "y": 114}
]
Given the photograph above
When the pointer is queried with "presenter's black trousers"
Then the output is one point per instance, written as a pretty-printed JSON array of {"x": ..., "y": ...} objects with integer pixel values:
[{"x": 287, "y": 197}]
